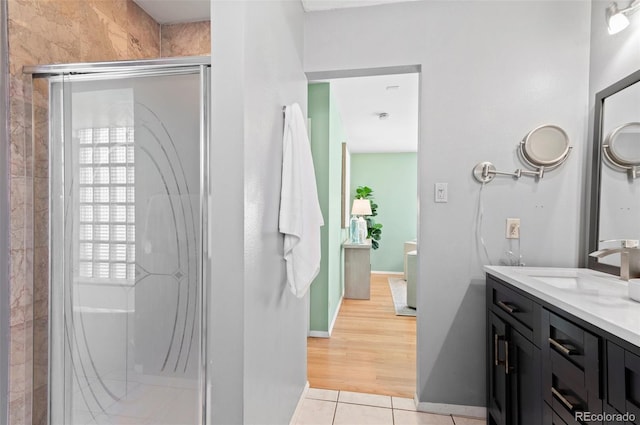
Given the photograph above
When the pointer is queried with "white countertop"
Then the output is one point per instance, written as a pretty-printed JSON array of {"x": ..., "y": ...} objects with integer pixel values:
[{"x": 595, "y": 297}]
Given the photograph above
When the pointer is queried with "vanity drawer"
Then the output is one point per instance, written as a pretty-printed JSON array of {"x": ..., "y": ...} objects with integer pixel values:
[
  {"x": 512, "y": 303},
  {"x": 577, "y": 347},
  {"x": 550, "y": 417},
  {"x": 568, "y": 400},
  {"x": 571, "y": 357},
  {"x": 565, "y": 403}
]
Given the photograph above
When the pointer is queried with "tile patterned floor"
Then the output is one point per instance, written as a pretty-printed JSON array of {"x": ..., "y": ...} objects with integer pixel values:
[{"x": 329, "y": 407}]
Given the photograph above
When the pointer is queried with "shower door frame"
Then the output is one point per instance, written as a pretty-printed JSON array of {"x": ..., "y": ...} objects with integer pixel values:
[{"x": 65, "y": 73}]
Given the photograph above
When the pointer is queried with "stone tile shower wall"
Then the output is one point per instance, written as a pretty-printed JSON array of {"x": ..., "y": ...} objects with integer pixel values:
[
  {"x": 190, "y": 39},
  {"x": 44, "y": 32}
]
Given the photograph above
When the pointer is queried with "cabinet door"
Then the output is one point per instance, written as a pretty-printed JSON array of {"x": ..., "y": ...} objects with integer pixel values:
[
  {"x": 623, "y": 381},
  {"x": 523, "y": 370},
  {"x": 357, "y": 272},
  {"x": 497, "y": 378}
]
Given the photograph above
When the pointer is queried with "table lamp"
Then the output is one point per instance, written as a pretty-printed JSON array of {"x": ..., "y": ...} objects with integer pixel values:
[{"x": 358, "y": 226}]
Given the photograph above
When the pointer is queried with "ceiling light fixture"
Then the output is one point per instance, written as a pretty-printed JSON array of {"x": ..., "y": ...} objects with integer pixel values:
[
  {"x": 617, "y": 19},
  {"x": 383, "y": 115}
]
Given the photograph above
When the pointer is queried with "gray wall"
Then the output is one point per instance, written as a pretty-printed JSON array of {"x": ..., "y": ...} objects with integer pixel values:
[
  {"x": 491, "y": 72},
  {"x": 4, "y": 219},
  {"x": 257, "y": 327}
]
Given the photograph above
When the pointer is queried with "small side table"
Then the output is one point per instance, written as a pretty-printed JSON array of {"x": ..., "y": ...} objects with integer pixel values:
[
  {"x": 412, "y": 278},
  {"x": 408, "y": 247},
  {"x": 357, "y": 270}
]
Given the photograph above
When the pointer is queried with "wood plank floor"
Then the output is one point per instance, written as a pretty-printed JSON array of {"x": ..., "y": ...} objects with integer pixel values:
[{"x": 371, "y": 350}]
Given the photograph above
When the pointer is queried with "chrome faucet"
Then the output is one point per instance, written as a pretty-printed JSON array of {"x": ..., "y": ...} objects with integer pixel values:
[{"x": 629, "y": 257}]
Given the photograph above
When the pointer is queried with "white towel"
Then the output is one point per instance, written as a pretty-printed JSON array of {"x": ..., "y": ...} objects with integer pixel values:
[{"x": 300, "y": 215}]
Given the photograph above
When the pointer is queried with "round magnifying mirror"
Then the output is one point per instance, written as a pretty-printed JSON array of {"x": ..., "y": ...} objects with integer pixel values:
[
  {"x": 622, "y": 145},
  {"x": 545, "y": 146}
]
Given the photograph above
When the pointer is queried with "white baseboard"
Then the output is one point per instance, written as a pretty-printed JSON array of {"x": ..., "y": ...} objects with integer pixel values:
[
  {"x": 383, "y": 272},
  {"x": 335, "y": 316},
  {"x": 296, "y": 413},
  {"x": 327, "y": 334},
  {"x": 451, "y": 409}
]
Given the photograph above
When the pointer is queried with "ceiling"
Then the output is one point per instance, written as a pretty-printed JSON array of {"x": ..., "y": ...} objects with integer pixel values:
[
  {"x": 315, "y": 5},
  {"x": 361, "y": 100},
  {"x": 174, "y": 11}
]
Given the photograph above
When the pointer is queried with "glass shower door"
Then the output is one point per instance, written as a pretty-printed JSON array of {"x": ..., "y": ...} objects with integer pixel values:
[{"x": 126, "y": 248}]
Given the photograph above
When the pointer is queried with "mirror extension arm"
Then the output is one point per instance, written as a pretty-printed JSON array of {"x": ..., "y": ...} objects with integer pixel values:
[
  {"x": 544, "y": 148},
  {"x": 485, "y": 171}
]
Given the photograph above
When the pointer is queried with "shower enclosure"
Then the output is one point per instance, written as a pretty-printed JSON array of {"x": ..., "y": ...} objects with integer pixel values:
[{"x": 128, "y": 155}]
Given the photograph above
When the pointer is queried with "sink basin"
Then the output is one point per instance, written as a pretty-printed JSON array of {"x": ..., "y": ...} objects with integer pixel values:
[
  {"x": 549, "y": 273},
  {"x": 574, "y": 280},
  {"x": 559, "y": 282},
  {"x": 563, "y": 279}
]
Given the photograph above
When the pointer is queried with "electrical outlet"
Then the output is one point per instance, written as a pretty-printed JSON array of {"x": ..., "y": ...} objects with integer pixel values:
[{"x": 512, "y": 230}]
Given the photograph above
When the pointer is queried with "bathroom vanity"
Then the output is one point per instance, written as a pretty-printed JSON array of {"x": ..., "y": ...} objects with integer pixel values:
[{"x": 563, "y": 347}]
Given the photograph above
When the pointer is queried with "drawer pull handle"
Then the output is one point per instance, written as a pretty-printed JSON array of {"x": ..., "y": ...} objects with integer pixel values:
[
  {"x": 506, "y": 357},
  {"x": 507, "y": 307},
  {"x": 566, "y": 350},
  {"x": 563, "y": 399},
  {"x": 496, "y": 340}
]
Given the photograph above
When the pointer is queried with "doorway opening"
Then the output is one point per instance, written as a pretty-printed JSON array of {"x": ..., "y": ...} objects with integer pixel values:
[{"x": 365, "y": 141}]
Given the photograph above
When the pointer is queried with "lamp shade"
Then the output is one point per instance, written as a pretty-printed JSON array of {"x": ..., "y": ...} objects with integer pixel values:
[{"x": 361, "y": 207}]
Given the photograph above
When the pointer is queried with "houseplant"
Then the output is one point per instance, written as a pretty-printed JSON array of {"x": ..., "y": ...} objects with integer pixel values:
[{"x": 374, "y": 230}]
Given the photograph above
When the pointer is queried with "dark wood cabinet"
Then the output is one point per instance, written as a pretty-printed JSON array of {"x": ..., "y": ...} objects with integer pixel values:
[
  {"x": 524, "y": 380},
  {"x": 623, "y": 383},
  {"x": 497, "y": 376},
  {"x": 514, "y": 368},
  {"x": 571, "y": 368},
  {"x": 550, "y": 417},
  {"x": 546, "y": 366}
]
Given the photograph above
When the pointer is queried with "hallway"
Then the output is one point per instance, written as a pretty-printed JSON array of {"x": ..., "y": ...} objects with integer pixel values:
[{"x": 371, "y": 350}]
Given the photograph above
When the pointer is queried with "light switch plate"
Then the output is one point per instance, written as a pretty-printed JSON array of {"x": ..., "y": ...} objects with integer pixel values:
[{"x": 441, "y": 192}]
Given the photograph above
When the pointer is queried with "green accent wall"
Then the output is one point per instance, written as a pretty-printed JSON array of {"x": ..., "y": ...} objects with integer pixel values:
[
  {"x": 394, "y": 180},
  {"x": 337, "y": 235},
  {"x": 327, "y": 135}
]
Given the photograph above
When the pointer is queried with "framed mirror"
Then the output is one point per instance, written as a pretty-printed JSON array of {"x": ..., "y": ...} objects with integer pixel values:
[{"x": 615, "y": 186}]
